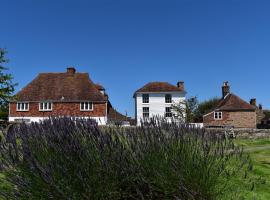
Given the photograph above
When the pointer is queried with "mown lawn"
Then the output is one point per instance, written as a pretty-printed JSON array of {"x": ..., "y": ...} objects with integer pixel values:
[{"x": 259, "y": 150}]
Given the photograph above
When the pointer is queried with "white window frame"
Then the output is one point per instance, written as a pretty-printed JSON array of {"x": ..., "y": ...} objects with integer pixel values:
[
  {"x": 144, "y": 112},
  {"x": 168, "y": 112},
  {"x": 218, "y": 115},
  {"x": 42, "y": 106},
  {"x": 89, "y": 107},
  {"x": 145, "y": 98},
  {"x": 166, "y": 98},
  {"x": 18, "y": 108}
]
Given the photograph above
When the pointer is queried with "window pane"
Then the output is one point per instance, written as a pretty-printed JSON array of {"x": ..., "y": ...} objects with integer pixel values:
[
  {"x": 168, "y": 112},
  {"x": 26, "y": 106},
  {"x": 41, "y": 106},
  {"x": 22, "y": 106},
  {"x": 49, "y": 106},
  {"x": 18, "y": 106},
  {"x": 145, "y": 109},
  {"x": 168, "y": 98},
  {"x": 145, "y": 115},
  {"x": 86, "y": 106},
  {"x": 145, "y": 98},
  {"x": 145, "y": 112},
  {"x": 82, "y": 106},
  {"x": 90, "y": 105}
]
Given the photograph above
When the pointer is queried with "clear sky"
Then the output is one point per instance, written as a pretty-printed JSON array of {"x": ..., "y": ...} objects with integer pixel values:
[{"x": 125, "y": 44}]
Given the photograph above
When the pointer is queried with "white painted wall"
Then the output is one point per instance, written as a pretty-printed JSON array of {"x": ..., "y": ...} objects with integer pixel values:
[
  {"x": 156, "y": 103},
  {"x": 100, "y": 120}
]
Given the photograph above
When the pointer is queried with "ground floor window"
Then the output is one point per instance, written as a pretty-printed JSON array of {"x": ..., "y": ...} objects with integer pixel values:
[
  {"x": 145, "y": 112},
  {"x": 217, "y": 115},
  {"x": 168, "y": 112}
]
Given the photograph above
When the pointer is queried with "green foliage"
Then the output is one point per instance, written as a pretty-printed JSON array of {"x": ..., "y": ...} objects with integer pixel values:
[
  {"x": 205, "y": 107},
  {"x": 7, "y": 87},
  {"x": 267, "y": 113},
  {"x": 65, "y": 159},
  {"x": 186, "y": 109}
]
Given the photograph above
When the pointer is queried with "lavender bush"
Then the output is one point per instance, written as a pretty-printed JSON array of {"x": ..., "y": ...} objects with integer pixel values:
[{"x": 75, "y": 159}]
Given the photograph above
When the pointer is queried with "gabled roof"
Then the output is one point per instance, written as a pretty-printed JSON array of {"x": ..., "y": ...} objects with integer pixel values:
[
  {"x": 231, "y": 102},
  {"x": 159, "y": 87},
  {"x": 115, "y": 116},
  {"x": 61, "y": 87}
]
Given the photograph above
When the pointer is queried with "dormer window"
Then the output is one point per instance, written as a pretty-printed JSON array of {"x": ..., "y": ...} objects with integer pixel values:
[
  {"x": 22, "y": 106},
  {"x": 218, "y": 115},
  {"x": 45, "y": 106},
  {"x": 86, "y": 106}
]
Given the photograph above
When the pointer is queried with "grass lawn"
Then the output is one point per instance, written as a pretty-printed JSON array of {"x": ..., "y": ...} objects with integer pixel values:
[{"x": 259, "y": 150}]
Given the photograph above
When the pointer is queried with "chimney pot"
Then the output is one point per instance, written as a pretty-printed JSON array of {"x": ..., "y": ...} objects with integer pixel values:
[
  {"x": 71, "y": 70},
  {"x": 181, "y": 84},
  {"x": 225, "y": 89},
  {"x": 253, "y": 102}
]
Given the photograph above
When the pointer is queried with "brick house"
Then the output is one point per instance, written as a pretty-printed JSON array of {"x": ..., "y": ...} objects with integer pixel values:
[
  {"x": 231, "y": 111},
  {"x": 60, "y": 94}
]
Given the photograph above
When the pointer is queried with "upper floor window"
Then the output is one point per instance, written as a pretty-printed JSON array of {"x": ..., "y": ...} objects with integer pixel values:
[
  {"x": 145, "y": 98},
  {"x": 145, "y": 112},
  {"x": 168, "y": 98},
  {"x": 45, "y": 106},
  {"x": 22, "y": 106},
  {"x": 168, "y": 112},
  {"x": 217, "y": 115},
  {"x": 86, "y": 106}
]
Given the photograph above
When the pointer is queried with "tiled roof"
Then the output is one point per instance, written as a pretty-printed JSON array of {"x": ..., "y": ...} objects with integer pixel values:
[
  {"x": 231, "y": 102},
  {"x": 115, "y": 116},
  {"x": 61, "y": 87},
  {"x": 160, "y": 87}
]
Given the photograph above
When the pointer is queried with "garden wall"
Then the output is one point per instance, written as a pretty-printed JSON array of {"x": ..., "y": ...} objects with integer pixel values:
[{"x": 245, "y": 132}]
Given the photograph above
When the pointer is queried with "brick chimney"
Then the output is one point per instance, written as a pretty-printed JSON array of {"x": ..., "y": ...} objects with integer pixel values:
[
  {"x": 225, "y": 89},
  {"x": 181, "y": 85},
  {"x": 253, "y": 102},
  {"x": 71, "y": 70}
]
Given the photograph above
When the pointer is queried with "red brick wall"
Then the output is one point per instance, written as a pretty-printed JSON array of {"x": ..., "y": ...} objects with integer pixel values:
[
  {"x": 59, "y": 109},
  {"x": 236, "y": 119}
]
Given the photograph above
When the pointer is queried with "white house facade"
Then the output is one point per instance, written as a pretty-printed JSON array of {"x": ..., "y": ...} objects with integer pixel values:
[{"x": 155, "y": 99}]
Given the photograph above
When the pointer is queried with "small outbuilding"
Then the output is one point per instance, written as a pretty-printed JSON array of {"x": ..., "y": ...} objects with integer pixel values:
[{"x": 231, "y": 111}]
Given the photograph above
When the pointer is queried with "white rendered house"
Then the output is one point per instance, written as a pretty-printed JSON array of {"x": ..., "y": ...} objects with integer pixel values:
[{"x": 156, "y": 99}]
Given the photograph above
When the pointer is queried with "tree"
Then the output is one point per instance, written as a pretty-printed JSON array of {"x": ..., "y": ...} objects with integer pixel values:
[
  {"x": 184, "y": 110},
  {"x": 192, "y": 111},
  {"x": 267, "y": 113},
  {"x": 204, "y": 108},
  {"x": 7, "y": 87}
]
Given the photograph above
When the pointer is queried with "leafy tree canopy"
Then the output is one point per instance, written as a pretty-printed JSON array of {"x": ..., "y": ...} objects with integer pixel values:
[
  {"x": 7, "y": 87},
  {"x": 205, "y": 107},
  {"x": 186, "y": 109}
]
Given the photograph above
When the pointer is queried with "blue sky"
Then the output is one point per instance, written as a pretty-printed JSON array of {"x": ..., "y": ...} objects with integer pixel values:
[{"x": 125, "y": 44}]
